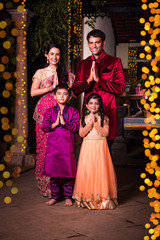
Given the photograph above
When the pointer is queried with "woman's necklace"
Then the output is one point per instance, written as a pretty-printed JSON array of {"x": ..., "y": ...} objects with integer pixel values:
[{"x": 50, "y": 69}]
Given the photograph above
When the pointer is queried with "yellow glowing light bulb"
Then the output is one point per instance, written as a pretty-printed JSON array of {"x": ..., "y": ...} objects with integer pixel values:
[
  {"x": 143, "y": 33},
  {"x": 151, "y": 19},
  {"x": 155, "y": 5},
  {"x": 157, "y": 80},
  {"x": 147, "y": 152},
  {"x": 147, "y": 84},
  {"x": 2, "y": 67},
  {"x": 145, "y": 133},
  {"x": 143, "y": 43},
  {"x": 147, "y": 49},
  {"x": 142, "y": 188},
  {"x": 147, "y": 26},
  {"x": 146, "y": 106},
  {"x": 144, "y": 6},
  {"x": 143, "y": 101},
  {"x": 151, "y": 41},
  {"x": 142, "y": 55},
  {"x": 155, "y": 69},
  {"x": 146, "y": 238},
  {"x": 148, "y": 56},
  {"x": 145, "y": 70},
  {"x": 7, "y": 200}
]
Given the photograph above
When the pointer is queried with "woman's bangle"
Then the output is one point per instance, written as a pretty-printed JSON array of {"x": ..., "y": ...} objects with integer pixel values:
[{"x": 50, "y": 88}]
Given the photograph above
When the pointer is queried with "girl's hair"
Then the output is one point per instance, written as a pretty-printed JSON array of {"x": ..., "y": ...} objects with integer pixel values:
[
  {"x": 101, "y": 111},
  {"x": 61, "y": 69},
  {"x": 63, "y": 86}
]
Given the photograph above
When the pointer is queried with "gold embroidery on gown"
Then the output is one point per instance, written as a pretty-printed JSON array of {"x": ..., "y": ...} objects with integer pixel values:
[{"x": 93, "y": 134}]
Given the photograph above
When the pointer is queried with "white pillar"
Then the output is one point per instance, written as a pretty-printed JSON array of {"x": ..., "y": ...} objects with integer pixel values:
[{"x": 105, "y": 25}]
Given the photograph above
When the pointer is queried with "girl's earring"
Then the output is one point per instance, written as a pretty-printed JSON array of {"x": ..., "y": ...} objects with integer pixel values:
[{"x": 47, "y": 61}]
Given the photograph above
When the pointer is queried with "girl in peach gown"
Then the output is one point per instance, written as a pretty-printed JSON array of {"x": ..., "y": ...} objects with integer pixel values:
[{"x": 95, "y": 185}]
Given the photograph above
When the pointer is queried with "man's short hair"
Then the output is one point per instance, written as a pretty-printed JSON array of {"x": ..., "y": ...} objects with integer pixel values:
[{"x": 96, "y": 33}]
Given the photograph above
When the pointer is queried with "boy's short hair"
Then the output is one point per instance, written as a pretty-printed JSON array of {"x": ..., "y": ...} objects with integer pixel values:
[
  {"x": 96, "y": 33},
  {"x": 63, "y": 86}
]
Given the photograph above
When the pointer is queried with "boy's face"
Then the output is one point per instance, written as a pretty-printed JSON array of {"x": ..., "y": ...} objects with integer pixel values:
[{"x": 62, "y": 96}]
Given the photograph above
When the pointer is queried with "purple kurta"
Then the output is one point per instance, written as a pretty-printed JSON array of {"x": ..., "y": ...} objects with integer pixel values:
[{"x": 60, "y": 158}]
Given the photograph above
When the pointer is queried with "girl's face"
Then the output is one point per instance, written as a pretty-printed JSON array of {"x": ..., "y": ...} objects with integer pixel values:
[
  {"x": 93, "y": 105},
  {"x": 54, "y": 56}
]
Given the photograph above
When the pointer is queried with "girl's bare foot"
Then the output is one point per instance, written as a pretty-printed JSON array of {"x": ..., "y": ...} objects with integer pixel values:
[
  {"x": 51, "y": 202},
  {"x": 68, "y": 202}
]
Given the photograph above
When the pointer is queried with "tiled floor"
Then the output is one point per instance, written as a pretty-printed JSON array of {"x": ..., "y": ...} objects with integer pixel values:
[{"x": 28, "y": 218}]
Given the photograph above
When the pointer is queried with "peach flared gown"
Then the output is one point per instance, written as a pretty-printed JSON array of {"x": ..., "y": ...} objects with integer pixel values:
[{"x": 95, "y": 185}]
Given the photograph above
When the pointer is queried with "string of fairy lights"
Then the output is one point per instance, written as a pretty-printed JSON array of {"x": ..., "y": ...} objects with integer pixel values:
[
  {"x": 8, "y": 39},
  {"x": 23, "y": 139},
  {"x": 75, "y": 36},
  {"x": 69, "y": 36},
  {"x": 77, "y": 30},
  {"x": 151, "y": 77},
  {"x": 132, "y": 65}
]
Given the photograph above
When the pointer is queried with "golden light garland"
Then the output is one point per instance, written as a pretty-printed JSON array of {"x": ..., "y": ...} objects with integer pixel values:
[
  {"x": 22, "y": 139},
  {"x": 69, "y": 36},
  {"x": 8, "y": 76},
  {"x": 74, "y": 31},
  {"x": 77, "y": 29},
  {"x": 151, "y": 134},
  {"x": 132, "y": 65}
]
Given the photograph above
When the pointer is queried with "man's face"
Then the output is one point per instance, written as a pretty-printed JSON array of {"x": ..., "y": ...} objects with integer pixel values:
[{"x": 96, "y": 46}]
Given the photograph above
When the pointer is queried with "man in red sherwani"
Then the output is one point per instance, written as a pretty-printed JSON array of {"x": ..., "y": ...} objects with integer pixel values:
[{"x": 103, "y": 74}]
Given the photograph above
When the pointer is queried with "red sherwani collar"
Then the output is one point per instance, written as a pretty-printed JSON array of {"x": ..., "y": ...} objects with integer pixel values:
[{"x": 102, "y": 55}]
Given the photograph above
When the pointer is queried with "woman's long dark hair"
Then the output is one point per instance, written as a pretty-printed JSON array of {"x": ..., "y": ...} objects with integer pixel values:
[
  {"x": 101, "y": 111},
  {"x": 61, "y": 69}
]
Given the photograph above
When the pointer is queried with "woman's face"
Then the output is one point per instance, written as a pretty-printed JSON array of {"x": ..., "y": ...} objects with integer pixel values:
[
  {"x": 93, "y": 105},
  {"x": 54, "y": 56}
]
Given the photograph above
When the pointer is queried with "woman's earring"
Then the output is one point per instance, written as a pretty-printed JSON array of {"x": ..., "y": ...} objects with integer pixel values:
[
  {"x": 88, "y": 111},
  {"x": 47, "y": 61}
]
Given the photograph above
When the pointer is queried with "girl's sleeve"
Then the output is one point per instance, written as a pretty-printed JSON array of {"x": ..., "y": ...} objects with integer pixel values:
[
  {"x": 103, "y": 131},
  {"x": 73, "y": 124},
  {"x": 47, "y": 121},
  {"x": 83, "y": 131}
]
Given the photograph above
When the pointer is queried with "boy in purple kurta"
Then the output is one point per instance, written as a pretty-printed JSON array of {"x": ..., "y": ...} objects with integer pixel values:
[{"x": 61, "y": 121}]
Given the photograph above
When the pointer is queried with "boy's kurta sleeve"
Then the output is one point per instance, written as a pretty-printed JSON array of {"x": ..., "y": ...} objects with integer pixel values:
[
  {"x": 47, "y": 121},
  {"x": 72, "y": 124}
]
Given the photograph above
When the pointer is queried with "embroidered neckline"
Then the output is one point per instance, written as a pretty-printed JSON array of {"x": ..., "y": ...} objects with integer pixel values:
[{"x": 52, "y": 70}]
